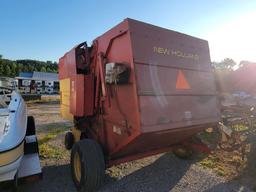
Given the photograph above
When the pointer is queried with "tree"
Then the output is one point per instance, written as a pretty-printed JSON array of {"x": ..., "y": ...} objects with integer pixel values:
[
  {"x": 13, "y": 68},
  {"x": 43, "y": 69},
  {"x": 1, "y": 56},
  {"x": 226, "y": 64},
  {"x": 49, "y": 62},
  {"x": 25, "y": 69},
  {"x": 1, "y": 69},
  {"x": 7, "y": 71}
]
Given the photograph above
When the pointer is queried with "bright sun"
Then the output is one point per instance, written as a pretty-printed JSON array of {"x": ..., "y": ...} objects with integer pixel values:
[{"x": 236, "y": 40}]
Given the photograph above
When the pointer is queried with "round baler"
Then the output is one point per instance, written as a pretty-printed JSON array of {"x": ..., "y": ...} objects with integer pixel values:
[{"x": 137, "y": 91}]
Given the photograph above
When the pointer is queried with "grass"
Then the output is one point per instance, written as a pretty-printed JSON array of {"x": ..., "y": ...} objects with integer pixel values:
[
  {"x": 209, "y": 163},
  {"x": 208, "y": 137},
  {"x": 54, "y": 128},
  {"x": 224, "y": 163},
  {"x": 220, "y": 169},
  {"x": 47, "y": 150},
  {"x": 50, "y": 136},
  {"x": 240, "y": 127},
  {"x": 43, "y": 100}
]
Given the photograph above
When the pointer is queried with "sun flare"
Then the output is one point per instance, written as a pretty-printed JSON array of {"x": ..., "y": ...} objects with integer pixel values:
[{"x": 236, "y": 40}]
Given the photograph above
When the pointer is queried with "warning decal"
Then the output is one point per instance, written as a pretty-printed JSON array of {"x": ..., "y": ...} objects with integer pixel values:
[{"x": 181, "y": 82}]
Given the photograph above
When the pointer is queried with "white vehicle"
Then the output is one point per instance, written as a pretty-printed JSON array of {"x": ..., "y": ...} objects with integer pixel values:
[{"x": 18, "y": 143}]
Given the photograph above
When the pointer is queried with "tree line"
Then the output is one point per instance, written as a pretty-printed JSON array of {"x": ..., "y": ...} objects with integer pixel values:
[
  {"x": 12, "y": 68},
  {"x": 226, "y": 64}
]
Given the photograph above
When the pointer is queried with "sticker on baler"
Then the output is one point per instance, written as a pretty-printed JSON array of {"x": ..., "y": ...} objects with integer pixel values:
[
  {"x": 181, "y": 82},
  {"x": 117, "y": 130}
]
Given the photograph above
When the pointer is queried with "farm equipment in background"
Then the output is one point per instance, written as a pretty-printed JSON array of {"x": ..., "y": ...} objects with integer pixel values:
[
  {"x": 238, "y": 123},
  {"x": 137, "y": 91}
]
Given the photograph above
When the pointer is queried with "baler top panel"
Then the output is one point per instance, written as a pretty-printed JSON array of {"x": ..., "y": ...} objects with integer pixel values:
[{"x": 158, "y": 46}]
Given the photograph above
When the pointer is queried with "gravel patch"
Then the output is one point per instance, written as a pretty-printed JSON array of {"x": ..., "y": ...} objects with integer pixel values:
[
  {"x": 159, "y": 173},
  {"x": 163, "y": 173}
]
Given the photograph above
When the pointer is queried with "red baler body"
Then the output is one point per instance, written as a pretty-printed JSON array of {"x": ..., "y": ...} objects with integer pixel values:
[{"x": 170, "y": 96}]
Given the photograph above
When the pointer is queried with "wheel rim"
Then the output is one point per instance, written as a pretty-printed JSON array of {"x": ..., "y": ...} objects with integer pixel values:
[{"x": 77, "y": 166}]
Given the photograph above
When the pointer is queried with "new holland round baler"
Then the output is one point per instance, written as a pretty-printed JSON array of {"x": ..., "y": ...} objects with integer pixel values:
[{"x": 136, "y": 91}]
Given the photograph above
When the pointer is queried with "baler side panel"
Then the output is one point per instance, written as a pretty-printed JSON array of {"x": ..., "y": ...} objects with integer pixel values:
[
  {"x": 77, "y": 95},
  {"x": 65, "y": 72},
  {"x": 121, "y": 119},
  {"x": 177, "y": 111},
  {"x": 65, "y": 99},
  {"x": 89, "y": 95},
  {"x": 77, "y": 90},
  {"x": 160, "y": 80}
]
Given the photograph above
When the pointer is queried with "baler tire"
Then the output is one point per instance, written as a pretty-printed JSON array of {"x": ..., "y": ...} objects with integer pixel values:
[
  {"x": 182, "y": 152},
  {"x": 69, "y": 140},
  {"x": 92, "y": 165}
]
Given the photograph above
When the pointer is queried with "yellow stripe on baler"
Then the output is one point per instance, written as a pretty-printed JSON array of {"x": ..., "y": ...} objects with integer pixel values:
[{"x": 65, "y": 99}]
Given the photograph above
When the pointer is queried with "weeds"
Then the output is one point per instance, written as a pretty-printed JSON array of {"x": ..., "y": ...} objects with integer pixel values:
[
  {"x": 47, "y": 150},
  {"x": 54, "y": 128},
  {"x": 44, "y": 100}
]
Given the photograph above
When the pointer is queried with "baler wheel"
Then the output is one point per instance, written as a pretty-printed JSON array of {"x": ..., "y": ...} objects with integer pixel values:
[
  {"x": 69, "y": 140},
  {"x": 87, "y": 165},
  {"x": 182, "y": 152}
]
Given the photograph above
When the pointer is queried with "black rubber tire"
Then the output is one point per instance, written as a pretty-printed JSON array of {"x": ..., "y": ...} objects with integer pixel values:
[
  {"x": 182, "y": 152},
  {"x": 92, "y": 165},
  {"x": 31, "y": 128},
  {"x": 69, "y": 140}
]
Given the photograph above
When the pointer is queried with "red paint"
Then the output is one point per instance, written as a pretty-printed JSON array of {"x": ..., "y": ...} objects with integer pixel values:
[
  {"x": 156, "y": 109},
  {"x": 76, "y": 95}
]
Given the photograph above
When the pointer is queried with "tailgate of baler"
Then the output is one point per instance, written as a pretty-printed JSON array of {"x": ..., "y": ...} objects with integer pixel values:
[{"x": 175, "y": 83}]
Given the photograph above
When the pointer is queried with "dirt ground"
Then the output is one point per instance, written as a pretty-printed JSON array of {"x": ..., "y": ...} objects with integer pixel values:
[{"x": 161, "y": 173}]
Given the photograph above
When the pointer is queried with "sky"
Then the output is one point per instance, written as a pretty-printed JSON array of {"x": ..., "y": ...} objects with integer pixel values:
[{"x": 46, "y": 29}]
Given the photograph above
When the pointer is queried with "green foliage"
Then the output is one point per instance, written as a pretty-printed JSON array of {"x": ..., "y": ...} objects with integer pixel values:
[
  {"x": 7, "y": 70},
  {"x": 43, "y": 69},
  {"x": 226, "y": 64},
  {"x": 12, "y": 68}
]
